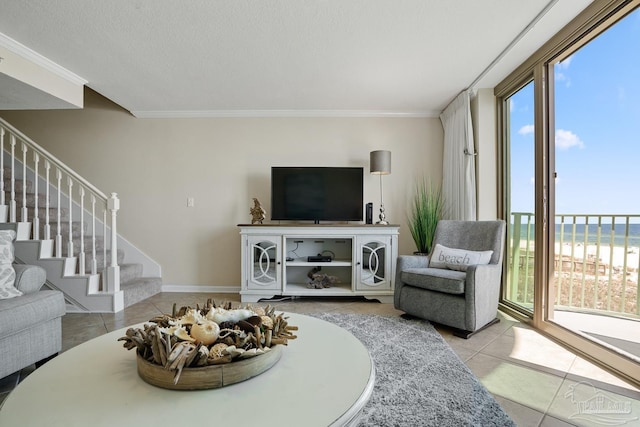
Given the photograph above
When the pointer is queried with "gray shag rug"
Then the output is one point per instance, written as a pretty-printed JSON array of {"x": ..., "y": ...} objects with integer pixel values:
[{"x": 420, "y": 381}]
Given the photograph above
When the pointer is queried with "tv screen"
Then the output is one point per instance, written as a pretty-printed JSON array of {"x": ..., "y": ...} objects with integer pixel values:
[{"x": 317, "y": 193}]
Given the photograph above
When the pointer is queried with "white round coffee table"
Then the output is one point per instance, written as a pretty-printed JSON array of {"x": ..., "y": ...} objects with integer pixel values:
[{"x": 324, "y": 378}]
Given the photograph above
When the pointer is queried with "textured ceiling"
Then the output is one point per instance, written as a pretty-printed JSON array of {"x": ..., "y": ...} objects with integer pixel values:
[{"x": 315, "y": 57}]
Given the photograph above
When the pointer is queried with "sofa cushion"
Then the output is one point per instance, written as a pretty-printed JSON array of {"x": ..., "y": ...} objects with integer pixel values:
[
  {"x": 7, "y": 273},
  {"x": 457, "y": 259},
  {"x": 30, "y": 310},
  {"x": 435, "y": 279}
]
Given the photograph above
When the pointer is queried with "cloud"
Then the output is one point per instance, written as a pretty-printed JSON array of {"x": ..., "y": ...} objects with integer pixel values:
[
  {"x": 559, "y": 75},
  {"x": 565, "y": 63},
  {"x": 565, "y": 139},
  {"x": 526, "y": 129}
]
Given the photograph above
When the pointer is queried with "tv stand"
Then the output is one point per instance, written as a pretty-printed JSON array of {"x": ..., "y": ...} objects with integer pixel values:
[{"x": 275, "y": 260}]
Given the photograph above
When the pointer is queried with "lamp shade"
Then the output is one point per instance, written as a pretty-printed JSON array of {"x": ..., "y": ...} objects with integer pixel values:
[{"x": 380, "y": 162}]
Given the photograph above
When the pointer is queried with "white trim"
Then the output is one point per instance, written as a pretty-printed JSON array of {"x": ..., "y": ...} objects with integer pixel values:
[
  {"x": 512, "y": 44},
  {"x": 40, "y": 60},
  {"x": 203, "y": 289},
  {"x": 281, "y": 113}
]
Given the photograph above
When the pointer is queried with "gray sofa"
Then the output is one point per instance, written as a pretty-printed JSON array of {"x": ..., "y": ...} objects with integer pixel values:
[{"x": 30, "y": 325}]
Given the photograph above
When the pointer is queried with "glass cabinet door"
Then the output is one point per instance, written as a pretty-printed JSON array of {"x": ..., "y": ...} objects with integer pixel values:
[
  {"x": 264, "y": 266},
  {"x": 373, "y": 263}
]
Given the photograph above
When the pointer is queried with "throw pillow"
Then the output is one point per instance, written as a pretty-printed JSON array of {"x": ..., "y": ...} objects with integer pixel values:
[
  {"x": 457, "y": 259},
  {"x": 7, "y": 273}
]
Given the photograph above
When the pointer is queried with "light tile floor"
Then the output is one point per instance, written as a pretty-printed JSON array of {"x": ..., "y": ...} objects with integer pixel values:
[{"x": 537, "y": 381}]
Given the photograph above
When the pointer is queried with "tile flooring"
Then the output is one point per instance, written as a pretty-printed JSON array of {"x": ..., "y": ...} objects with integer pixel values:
[{"x": 536, "y": 381}]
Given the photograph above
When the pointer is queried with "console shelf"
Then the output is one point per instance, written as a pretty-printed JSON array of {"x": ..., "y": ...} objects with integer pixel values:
[{"x": 275, "y": 260}]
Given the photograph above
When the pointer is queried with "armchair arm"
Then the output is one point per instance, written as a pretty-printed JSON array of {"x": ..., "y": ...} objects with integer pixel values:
[
  {"x": 29, "y": 278},
  {"x": 482, "y": 292},
  {"x": 405, "y": 262}
]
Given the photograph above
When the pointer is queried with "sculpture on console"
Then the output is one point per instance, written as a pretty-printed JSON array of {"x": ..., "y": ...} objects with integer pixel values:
[{"x": 258, "y": 214}]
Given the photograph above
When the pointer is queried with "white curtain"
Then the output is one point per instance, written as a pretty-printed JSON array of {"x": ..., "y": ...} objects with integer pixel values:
[{"x": 458, "y": 165}]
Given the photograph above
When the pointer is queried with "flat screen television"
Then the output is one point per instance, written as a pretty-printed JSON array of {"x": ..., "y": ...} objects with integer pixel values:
[{"x": 316, "y": 193}]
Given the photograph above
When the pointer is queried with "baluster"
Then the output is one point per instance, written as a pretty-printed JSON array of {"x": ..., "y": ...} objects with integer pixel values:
[
  {"x": 104, "y": 246},
  {"x": 612, "y": 237},
  {"x": 623, "y": 293},
  {"x": 36, "y": 217},
  {"x": 2, "y": 201},
  {"x": 113, "y": 271},
  {"x": 58, "y": 232},
  {"x": 12, "y": 202},
  {"x": 47, "y": 204},
  {"x": 81, "y": 254},
  {"x": 25, "y": 214},
  {"x": 70, "y": 245},
  {"x": 94, "y": 266},
  {"x": 114, "y": 205}
]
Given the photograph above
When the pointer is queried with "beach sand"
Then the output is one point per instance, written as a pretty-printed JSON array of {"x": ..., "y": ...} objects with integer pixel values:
[
  {"x": 615, "y": 256},
  {"x": 613, "y": 289}
]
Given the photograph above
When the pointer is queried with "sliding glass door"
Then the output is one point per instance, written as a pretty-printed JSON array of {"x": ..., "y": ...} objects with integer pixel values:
[
  {"x": 520, "y": 185},
  {"x": 596, "y": 99}
]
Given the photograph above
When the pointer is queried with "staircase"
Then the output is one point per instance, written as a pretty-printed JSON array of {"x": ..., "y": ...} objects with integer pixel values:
[{"x": 56, "y": 215}]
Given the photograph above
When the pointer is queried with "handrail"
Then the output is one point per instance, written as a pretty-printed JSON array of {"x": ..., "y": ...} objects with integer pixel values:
[
  {"x": 581, "y": 242},
  {"x": 53, "y": 159}
]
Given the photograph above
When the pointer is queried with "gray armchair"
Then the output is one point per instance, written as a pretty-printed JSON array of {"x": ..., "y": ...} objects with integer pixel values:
[{"x": 458, "y": 293}]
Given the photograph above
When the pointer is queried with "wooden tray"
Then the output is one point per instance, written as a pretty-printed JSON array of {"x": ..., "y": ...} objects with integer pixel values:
[{"x": 207, "y": 377}]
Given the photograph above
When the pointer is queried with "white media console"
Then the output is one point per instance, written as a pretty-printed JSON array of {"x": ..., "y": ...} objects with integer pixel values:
[{"x": 275, "y": 260}]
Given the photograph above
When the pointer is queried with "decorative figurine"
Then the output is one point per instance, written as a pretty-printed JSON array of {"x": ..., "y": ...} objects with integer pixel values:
[
  {"x": 320, "y": 280},
  {"x": 257, "y": 212}
]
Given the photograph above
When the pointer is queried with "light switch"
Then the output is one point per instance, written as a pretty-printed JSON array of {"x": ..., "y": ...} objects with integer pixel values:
[{"x": 191, "y": 202}]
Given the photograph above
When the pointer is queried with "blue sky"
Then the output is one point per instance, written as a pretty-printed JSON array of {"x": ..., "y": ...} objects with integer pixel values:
[{"x": 597, "y": 142}]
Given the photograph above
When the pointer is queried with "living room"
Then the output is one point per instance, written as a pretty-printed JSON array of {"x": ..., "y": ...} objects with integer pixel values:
[{"x": 186, "y": 173}]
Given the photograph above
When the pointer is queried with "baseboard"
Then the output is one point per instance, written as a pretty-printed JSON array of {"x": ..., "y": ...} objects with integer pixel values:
[{"x": 202, "y": 289}]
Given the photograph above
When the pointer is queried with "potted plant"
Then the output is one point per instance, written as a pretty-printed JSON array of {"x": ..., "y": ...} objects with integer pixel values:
[{"x": 425, "y": 212}]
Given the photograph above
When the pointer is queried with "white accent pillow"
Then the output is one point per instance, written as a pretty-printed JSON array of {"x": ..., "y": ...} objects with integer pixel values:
[
  {"x": 7, "y": 273},
  {"x": 457, "y": 259}
]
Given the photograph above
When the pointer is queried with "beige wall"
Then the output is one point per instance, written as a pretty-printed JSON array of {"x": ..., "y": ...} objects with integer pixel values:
[{"x": 155, "y": 164}]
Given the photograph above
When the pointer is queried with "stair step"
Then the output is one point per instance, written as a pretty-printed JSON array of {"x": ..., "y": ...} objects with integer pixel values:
[
  {"x": 100, "y": 260},
  {"x": 87, "y": 243},
  {"x": 31, "y": 198},
  {"x": 42, "y": 213},
  {"x": 18, "y": 185},
  {"x": 64, "y": 228},
  {"x": 130, "y": 272},
  {"x": 140, "y": 289}
]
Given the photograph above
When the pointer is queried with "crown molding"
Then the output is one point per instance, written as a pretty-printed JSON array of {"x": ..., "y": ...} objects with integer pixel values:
[
  {"x": 281, "y": 113},
  {"x": 36, "y": 58}
]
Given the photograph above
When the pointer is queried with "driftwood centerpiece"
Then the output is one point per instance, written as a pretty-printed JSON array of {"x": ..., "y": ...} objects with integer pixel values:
[{"x": 208, "y": 345}]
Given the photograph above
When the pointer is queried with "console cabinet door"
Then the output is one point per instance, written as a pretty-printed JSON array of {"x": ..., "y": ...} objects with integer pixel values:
[
  {"x": 263, "y": 254},
  {"x": 373, "y": 266}
]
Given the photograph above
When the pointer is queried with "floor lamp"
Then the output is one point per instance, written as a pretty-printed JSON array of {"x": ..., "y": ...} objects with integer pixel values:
[{"x": 380, "y": 164}]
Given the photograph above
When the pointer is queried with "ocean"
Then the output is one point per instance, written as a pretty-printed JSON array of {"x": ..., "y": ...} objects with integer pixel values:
[{"x": 592, "y": 229}]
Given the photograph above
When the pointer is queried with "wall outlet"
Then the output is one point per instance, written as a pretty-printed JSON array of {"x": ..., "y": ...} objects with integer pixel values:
[{"x": 191, "y": 202}]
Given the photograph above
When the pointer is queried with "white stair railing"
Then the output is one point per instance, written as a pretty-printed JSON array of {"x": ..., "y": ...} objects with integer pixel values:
[{"x": 77, "y": 188}]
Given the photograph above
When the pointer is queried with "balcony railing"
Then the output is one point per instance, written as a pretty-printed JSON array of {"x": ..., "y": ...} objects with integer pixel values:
[{"x": 596, "y": 260}]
